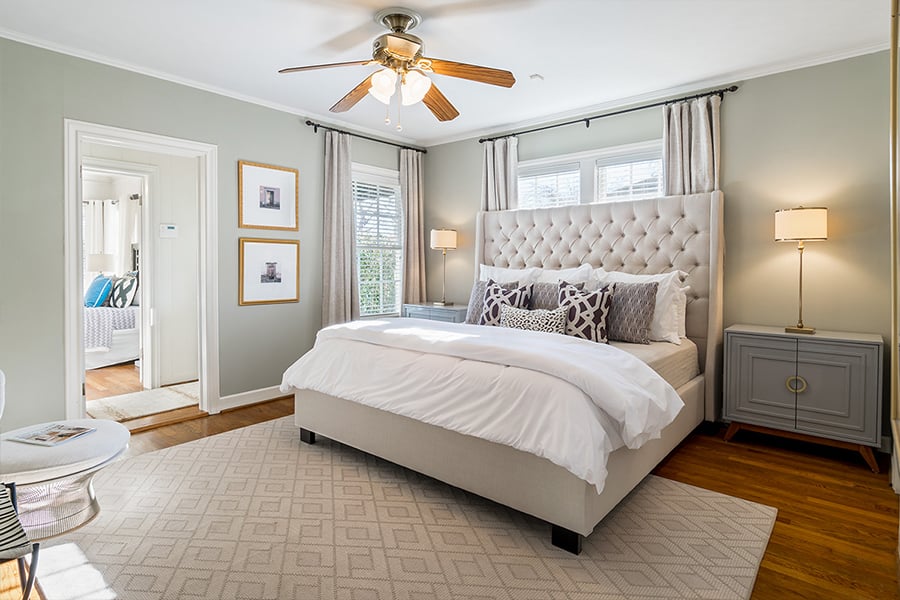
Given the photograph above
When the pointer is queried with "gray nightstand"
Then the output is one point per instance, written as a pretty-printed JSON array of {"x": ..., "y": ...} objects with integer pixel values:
[
  {"x": 823, "y": 388},
  {"x": 455, "y": 313}
]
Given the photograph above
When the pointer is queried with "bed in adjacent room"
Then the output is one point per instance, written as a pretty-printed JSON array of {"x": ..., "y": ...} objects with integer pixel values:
[
  {"x": 112, "y": 322},
  {"x": 556, "y": 426}
]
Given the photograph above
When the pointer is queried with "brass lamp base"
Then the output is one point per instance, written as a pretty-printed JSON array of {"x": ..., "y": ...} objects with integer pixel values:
[
  {"x": 800, "y": 329},
  {"x": 442, "y": 303}
]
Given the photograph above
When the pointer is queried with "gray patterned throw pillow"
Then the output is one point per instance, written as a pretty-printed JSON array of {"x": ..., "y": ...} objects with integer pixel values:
[
  {"x": 631, "y": 312},
  {"x": 586, "y": 312},
  {"x": 545, "y": 295},
  {"x": 548, "y": 321},
  {"x": 495, "y": 297},
  {"x": 123, "y": 291}
]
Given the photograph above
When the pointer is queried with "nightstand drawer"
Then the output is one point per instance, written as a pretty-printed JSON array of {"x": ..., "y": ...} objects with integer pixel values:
[{"x": 453, "y": 313}]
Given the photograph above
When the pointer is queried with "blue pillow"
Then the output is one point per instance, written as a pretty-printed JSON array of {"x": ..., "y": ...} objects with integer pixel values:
[{"x": 97, "y": 292}]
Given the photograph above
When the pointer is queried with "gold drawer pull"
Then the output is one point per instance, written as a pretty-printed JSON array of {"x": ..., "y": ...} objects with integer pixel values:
[{"x": 799, "y": 384}]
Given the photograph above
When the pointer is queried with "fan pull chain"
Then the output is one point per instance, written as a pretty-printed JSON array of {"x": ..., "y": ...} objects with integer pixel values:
[
  {"x": 387, "y": 114},
  {"x": 399, "y": 126}
]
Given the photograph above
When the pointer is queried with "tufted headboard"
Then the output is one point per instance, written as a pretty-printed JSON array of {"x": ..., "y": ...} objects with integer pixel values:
[{"x": 640, "y": 236}]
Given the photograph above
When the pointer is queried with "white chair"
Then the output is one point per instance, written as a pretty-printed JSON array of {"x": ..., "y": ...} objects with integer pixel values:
[{"x": 14, "y": 542}]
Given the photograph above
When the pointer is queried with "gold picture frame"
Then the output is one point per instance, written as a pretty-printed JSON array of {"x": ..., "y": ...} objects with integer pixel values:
[
  {"x": 269, "y": 271},
  {"x": 268, "y": 197}
]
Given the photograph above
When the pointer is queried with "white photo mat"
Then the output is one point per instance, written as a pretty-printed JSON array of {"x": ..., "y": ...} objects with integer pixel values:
[
  {"x": 268, "y": 196},
  {"x": 269, "y": 271}
]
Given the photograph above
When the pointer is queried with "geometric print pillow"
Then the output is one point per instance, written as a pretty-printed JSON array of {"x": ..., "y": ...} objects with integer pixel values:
[
  {"x": 586, "y": 312},
  {"x": 495, "y": 297},
  {"x": 547, "y": 321},
  {"x": 631, "y": 312},
  {"x": 123, "y": 291},
  {"x": 476, "y": 300}
]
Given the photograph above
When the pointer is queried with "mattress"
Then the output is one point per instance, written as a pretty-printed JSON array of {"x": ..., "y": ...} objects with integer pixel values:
[{"x": 676, "y": 364}]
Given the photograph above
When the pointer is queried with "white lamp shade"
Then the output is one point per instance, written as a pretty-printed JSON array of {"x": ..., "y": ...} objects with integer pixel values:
[
  {"x": 443, "y": 239},
  {"x": 384, "y": 83},
  {"x": 415, "y": 86},
  {"x": 98, "y": 263},
  {"x": 801, "y": 224}
]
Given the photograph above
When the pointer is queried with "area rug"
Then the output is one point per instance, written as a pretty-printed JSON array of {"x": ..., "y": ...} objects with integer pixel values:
[
  {"x": 147, "y": 402},
  {"x": 253, "y": 513}
]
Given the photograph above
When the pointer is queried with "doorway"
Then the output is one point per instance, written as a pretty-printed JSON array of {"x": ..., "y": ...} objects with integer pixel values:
[{"x": 128, "y": 157}]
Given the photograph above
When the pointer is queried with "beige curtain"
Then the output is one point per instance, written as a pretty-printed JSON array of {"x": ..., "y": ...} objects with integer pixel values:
[
  {"x": 500, "y": 178},
  {"x": 340, "y": 296},
  {"x": 412, "y": 196},
  {"x": 691, "y": 146}
]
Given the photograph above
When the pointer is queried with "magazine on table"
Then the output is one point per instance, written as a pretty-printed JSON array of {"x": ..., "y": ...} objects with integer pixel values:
[{"x": 51, "y": 435}]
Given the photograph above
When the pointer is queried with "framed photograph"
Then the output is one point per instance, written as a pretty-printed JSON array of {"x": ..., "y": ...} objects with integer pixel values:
[
  {"x": 269, "y": 271},
  {"x": 268, "y": 196}
]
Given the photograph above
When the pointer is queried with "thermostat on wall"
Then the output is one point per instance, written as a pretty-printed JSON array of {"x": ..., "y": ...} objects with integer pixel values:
[{"x": 168, "y": 230}]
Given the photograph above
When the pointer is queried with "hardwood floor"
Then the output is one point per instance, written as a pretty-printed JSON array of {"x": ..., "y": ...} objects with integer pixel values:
[
  {"x": 111, "y": 381},
  {"x": 836, "y": 533}
]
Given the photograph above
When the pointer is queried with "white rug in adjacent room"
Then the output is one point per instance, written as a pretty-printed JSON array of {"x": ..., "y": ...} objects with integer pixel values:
[
  {"x": 254, "y": 513},
  {"x": 147, "y": 402}
]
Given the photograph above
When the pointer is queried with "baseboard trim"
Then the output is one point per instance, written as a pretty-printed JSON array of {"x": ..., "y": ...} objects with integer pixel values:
[{"x": 244, "y": 399}]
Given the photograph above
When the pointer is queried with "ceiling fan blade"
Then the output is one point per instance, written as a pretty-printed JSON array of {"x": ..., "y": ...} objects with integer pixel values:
[
  {"x": 438, "y": 104},
  {"x": 472, "y": 72},
  {"x": 325, "y": 66},
  {"x": 353, "y": 96}
]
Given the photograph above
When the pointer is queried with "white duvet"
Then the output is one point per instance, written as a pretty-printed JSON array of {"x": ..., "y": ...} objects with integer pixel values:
[{"x": 568, "y": 400}]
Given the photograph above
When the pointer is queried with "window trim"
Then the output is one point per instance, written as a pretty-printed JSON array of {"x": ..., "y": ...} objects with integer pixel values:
[{"x": 588, "y": 162}]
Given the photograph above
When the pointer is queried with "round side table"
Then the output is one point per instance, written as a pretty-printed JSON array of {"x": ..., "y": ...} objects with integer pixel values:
[{"x": 54, "y": 483}]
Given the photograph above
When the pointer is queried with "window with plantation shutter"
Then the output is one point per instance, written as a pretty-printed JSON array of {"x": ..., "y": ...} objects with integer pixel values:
[
  {"x": 553, "y": 185},
  {"x": 618, "y": 173},
  {"x": 378, "y": 218}
]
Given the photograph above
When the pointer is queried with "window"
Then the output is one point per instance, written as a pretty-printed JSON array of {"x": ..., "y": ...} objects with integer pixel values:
[
  {"x": 555, "y": 185},
  {"x": 379, "y": 239},
  {"x": 619, "y": 173}
]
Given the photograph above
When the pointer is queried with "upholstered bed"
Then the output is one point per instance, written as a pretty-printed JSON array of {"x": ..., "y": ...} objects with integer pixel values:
[{"x": 646, "y": 237}]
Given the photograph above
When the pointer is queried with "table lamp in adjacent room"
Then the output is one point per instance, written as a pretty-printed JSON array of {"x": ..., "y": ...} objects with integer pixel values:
[
  {"x": 443, "y": 240},
  {"x": 101, "y": 263},
  {"x": 801, "y": 224}
]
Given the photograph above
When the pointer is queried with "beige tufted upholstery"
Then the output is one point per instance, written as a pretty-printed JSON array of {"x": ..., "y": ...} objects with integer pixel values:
[{"x": 644, "y": 236}]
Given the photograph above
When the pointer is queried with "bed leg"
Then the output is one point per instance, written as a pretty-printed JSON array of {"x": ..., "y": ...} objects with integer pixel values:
[
  {"x": 565, "y": 539},
  {"x": 307, "y": 436}
]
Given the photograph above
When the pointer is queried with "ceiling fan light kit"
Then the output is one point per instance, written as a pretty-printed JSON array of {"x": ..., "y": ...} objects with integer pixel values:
[{"x": 400, "y": 55}]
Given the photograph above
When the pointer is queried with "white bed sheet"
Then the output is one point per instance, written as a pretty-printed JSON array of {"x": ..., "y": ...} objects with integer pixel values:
[{"x": 491, "y": 396}]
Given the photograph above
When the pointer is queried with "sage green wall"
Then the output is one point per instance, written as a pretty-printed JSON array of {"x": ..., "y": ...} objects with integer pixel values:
[
  {"x": 38, "y": 90},
  {"x": 814, "y": 136}
]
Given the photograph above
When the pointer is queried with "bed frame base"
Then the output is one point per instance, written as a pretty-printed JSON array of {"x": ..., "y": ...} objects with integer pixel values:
[{"x": 566, "y": 539}]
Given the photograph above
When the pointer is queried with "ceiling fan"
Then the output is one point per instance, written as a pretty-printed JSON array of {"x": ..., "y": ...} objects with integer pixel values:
[{"x": 400, "y": 55}]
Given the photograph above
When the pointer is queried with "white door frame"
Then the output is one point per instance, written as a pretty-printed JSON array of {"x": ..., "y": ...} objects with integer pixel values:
[
  {"x": 78, "y": 133},
  {"x": 149, "y": 176}
]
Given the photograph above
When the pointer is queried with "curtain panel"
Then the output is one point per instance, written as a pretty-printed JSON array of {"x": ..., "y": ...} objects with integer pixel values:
[
  {"x": 500, "y": 178},
  {"x": 691, "y": 146},
  {"x": 340, "y": 296},
  {"x": 413, "y": 197}
]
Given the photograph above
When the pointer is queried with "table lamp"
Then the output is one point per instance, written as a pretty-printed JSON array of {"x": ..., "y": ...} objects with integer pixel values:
[
  {"x": 98, "y": 263},
  {"x": 443, "y": 239},
  {"x": 801, "y": 224}
]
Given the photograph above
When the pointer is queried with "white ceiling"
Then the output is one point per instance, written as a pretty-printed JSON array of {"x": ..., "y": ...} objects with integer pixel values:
[{"x": 593, "y": 54}]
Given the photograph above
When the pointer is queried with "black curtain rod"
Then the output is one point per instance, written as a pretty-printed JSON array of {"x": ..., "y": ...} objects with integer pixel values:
[
  {"x": 317, "y": 126},
  {"x": 587, "y": 120}
]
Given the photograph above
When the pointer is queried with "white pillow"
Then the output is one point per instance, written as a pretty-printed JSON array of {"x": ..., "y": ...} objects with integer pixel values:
[
  {"x": 669, "y": 299},
  {"x": 682, "y": 310},
  {"x": 507, "y": 275},
  {"x": 578, "y": 274}
]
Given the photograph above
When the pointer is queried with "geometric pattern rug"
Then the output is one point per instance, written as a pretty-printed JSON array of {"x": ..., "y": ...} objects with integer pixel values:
[
  {"x": 146, "y": 402},
  {"x": 254, "y": 513}
]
